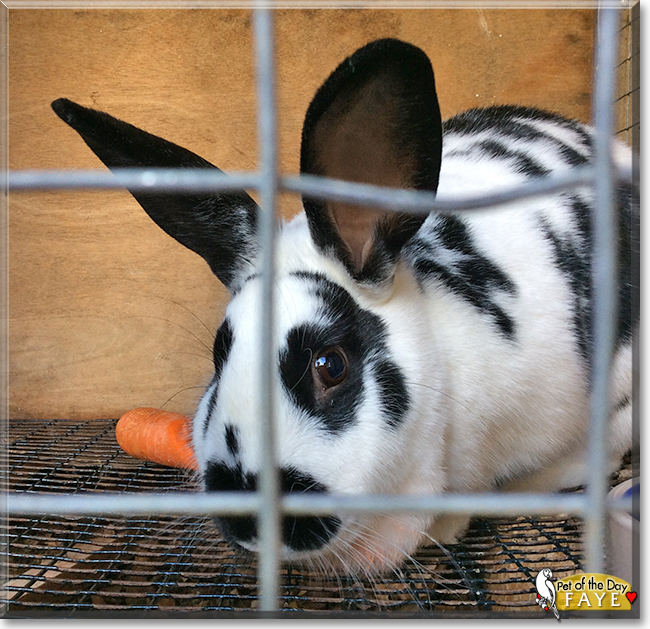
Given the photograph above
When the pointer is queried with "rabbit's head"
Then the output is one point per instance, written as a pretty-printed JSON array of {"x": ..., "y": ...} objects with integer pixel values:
[{"x": 352, "y": 378}]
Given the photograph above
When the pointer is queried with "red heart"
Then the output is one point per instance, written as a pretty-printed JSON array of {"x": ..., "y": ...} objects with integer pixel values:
[{"x": 631, "y": 596}]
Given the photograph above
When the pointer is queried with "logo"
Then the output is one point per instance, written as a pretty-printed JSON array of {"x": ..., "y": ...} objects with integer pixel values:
[
  {"x": 546, "y": 591},
  {"x": 583, "y": 592}
]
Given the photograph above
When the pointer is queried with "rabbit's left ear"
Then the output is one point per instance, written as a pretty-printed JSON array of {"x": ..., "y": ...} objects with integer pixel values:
[
  {"x": 220, "y": 227},
  {"x": 375, "y": 120}
]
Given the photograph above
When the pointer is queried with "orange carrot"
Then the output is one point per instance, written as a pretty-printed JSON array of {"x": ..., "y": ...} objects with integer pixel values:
[{"x": 158, "y": 436}]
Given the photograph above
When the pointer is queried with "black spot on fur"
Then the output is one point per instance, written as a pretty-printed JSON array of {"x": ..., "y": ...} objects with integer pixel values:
[
  {"x": 305, "y": 532},
  {"x": 337, "y": 411},
  {"x": 362, "y": 336},
  {"x": 220, "y": 352},
  {"x": 392, "y": 391},
  {"x": 300, "y": 533},
  {"x": 232, "y": 440},
  {"x": 445, "y": 251},
  {"x": 219, "y": 477},
  {"x": 221, "y": 348}
]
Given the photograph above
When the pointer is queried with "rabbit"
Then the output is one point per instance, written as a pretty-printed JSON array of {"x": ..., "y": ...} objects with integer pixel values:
[{"x": 413, "y": 354}]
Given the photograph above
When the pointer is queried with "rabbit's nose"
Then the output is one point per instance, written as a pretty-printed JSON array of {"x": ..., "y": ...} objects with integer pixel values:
[
  {"x": 302, "y": 533},
  {"x": 299, "y": 533}
]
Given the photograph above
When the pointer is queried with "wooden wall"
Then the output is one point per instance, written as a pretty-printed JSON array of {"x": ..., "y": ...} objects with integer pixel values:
[{"x": 106, "y": 311}]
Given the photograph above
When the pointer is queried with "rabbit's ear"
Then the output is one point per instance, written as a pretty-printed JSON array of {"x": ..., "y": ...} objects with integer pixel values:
[
  {"x": 220, "y": 227},
  {"x": 375, "y": 120}
]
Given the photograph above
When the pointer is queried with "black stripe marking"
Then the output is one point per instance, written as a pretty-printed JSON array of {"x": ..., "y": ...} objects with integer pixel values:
[
  {"x": 570, "y": 156},
  {"x": 573, "y": 256},
  {"x": 628, "y": 260},
  {"x": 513, "y": 124},
  {"x": 622, "y": 404},
  {"x": 211, "y": 404},
  {"x": 506, "y": 119},
  {"x": 520, "y": 161},
  {"x": 471, "y": 275},
  {"x": 237, "y": 289}
]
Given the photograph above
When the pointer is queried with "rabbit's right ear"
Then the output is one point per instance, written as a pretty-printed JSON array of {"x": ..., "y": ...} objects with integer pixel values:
[
  {"x": 375, "y": 120},
  {"x": 220, "y": 227}
]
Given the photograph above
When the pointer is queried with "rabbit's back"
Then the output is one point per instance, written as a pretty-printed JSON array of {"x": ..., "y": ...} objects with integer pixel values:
[
  {"x": 485, "y": 256},
  {"x": 510, "y": 292}
]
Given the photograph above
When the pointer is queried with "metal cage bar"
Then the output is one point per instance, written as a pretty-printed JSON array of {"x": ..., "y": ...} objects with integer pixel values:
[
  {"x": 267, "y": 502},
  {"x": 604, "y": 283},
  {"x": 269, "y": 512}
]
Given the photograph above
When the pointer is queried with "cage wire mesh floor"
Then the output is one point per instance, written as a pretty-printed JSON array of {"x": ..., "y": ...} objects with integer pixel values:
[{"x": 169, "y": 564}]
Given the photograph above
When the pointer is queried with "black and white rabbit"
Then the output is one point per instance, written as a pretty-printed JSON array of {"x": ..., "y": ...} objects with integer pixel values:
[{"x": 418, "y": 355}]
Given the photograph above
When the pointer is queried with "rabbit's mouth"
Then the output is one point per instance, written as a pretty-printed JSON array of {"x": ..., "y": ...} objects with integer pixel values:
[
  {"x": 301, "y": 535},
  {"x": 370, "y": 547},
  {"x": 367, "y": 545},
  {"x": 378, "y": 545},
  {"x": 366, "y": 554}
]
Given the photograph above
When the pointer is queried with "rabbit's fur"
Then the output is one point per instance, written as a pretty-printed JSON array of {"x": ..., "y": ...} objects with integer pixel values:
[{"x": 419, "y": 355}]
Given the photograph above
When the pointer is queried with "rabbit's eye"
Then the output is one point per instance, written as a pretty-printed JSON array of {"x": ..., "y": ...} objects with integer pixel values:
[{"x": 331, "y": 365}]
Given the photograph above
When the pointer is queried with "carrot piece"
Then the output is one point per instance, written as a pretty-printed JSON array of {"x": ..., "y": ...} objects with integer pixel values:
[{"x": 158, "y": 436}]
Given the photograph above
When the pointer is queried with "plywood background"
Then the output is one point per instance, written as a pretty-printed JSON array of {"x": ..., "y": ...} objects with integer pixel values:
[{"x": 106, "y": 311}]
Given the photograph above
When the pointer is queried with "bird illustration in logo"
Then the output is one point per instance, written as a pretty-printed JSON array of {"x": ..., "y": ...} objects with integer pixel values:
[{"x": 546, "y": 591}]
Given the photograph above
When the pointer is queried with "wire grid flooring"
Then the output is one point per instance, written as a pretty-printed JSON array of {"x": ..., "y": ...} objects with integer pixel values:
[{"x": 169, "y": 564}]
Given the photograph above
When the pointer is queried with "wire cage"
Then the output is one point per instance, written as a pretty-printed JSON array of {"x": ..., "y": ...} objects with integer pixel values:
[
  {"x": 90, "y": 530},
  {"x": 167, "y": 563}
]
